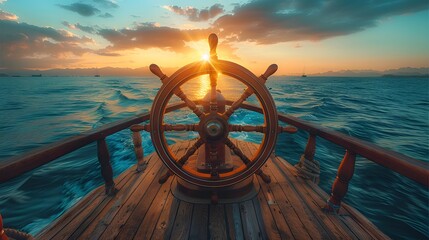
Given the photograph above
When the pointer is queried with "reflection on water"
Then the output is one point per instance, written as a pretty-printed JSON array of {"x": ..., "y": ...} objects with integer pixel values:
[{"x": 197, "y": 88}]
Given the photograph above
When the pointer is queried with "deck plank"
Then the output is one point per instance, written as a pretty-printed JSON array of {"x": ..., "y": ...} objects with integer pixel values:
[
  {"x": 266, "y": 221},
  {"x": 233, "y": 218},
  {"x": 85, "y": 218},
  {"x": 102, "y": 215},
  {"x": 199, "y": 223},
  {"x": 287, "y": 208},
  {"x": 217, "y": 224},
  {"x": 314, "y": 212},
  {"x": 148, "y": 224},
  {"x": 288, "y": 203},
  {"x": 250, "y": 223},
  {"x": 118, "y": 214},
  {"x": 164, "y": 225},
  {"x": 182, "y": 225},
  {"x": 129, "y": 227},
  {"x": 128, "y": 219},
  {"x": 331, "y": 223},
  {"x": 336, "y": 225}
]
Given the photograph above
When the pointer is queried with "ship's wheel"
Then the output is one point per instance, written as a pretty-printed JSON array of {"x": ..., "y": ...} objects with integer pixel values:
[{"x": 213, "y": 126}]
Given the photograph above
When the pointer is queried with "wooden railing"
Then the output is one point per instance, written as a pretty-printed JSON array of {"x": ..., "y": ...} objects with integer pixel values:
[
  {"x": 409, "y": 167},
  {"x": 412, "y": 168},
  {"x": 18, "y": 165}
]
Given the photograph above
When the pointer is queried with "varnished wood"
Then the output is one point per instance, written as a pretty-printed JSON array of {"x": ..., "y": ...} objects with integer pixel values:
[
  {"x": 310, "y": 148},
  {"x": 412, "y": 168},
  {"x": 270, "y": 71},
  {"x": 409, "y": 167},
  {"x": 16, "y": 166},
  {"x": 200, "y": 218},
  {"x": 213, "y": 40},
  {"x": 287, "y": 208},
  {"x": 341, "y": 183},
  {"x": 105, "y": 167},
  {"x": 178, "y": 91},
  {"x": 138, "y": 150}
]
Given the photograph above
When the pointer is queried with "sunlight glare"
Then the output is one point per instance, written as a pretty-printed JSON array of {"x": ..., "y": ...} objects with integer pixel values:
[{"x": 205, "y": 57}]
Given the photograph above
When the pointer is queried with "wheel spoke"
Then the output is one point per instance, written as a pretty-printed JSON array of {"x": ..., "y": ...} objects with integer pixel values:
[
  {"x": 191, "y": 105},
  {"x": 237, "y": 151},
  {"x": 287, "y": 129},
  {"x": 246, "y": 128},
  {"x": 248, "y": 92},
  {"x": 164, "y": 78},
  {"x": 213, "y": 93},
  {"x": 190, "y": 151},
  {"x": 181, "y": 127},
  {"x": 235, "y": 105}
]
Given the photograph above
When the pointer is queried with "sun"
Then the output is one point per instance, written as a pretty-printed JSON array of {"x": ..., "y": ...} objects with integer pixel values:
[{"x": 205, "y": 57}]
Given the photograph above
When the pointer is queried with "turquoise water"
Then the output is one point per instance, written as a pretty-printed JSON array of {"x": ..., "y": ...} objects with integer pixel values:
[{"x": 393, "y": 113}]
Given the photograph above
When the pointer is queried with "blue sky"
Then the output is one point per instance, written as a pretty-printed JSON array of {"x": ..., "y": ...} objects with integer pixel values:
[{"x": 316, "y": 35}]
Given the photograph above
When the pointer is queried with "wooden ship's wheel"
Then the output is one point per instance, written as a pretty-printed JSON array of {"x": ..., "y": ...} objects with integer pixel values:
[{"x": 214, "y": 169}]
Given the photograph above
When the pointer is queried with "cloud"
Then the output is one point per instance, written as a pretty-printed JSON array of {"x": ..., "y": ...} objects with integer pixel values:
[
  {"x": 24, "y": 45},
  {"x": 274, "y": 21},
  {"x": 87, "y": 29},
  {"x": 196, "y": 15},
  {"x": 107, "y": 54},
  {"x": 7, "y": 16},
  {"x": 83, "y": 9},
  {"x": 106, "y": 15},
  {"x": 150, "y": 35},
  {"x": 107, "y": 3}
]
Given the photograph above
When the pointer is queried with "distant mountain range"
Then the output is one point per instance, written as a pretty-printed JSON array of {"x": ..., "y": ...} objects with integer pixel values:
[
  {"x": 144, "y": 71},
  {"x": 406, "y": 71}
]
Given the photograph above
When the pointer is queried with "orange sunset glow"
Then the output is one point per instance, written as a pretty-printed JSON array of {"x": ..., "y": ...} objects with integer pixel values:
[{"x": 314, "y": 38}]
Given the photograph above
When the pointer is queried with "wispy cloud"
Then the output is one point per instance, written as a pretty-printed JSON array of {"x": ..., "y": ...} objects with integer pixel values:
[
  {"x": 274, "y": 21},
  {"x": 82, "y": 9},
  {"x": 107, "y": 3},
  {"x": 106, "y": 15},
  {"x": 24, "y": 45},
  {"x": 83, "y": 28},
  {"x": 197, "y": 15},
  {"x": 7, "y": 16},
  {"x": 150, "y": 35}
]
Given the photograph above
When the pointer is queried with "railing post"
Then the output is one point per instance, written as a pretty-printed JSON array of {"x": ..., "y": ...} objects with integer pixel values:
[
  {"x": 106, "y": 168},
  {"x": 341, "y": 183},
  {"x": 2, "y": 233},
  {"x": 310, "y": 148},
  {"x": 138, "y": 147},
  {"x": 307, "y": 167}
]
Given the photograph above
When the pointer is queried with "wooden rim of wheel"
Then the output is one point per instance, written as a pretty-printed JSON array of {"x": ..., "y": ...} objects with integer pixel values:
[{"x": 172, "y": 84}]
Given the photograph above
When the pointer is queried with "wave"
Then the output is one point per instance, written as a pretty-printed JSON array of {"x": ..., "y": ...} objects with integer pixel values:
[{"x": 389, "y": 118}]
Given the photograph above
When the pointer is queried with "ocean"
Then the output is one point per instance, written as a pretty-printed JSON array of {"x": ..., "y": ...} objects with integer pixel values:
[{"x": 390, "y": 112}]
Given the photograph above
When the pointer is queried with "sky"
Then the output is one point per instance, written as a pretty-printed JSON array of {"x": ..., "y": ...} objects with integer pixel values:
[{"x": 299, "y": 35}]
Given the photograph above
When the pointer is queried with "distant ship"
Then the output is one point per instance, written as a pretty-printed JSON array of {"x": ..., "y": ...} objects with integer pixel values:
[
  {"x": 303, "y": 73},
  {"x": 97, "y": 75},
  {"x": 36, "y": 75}
]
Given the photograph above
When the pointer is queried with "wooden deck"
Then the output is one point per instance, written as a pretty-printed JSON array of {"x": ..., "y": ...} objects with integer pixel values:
[{"x": 287, "y": 208}]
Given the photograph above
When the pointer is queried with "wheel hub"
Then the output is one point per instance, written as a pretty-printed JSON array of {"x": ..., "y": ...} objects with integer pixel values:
[{"x": 213, "y": 127}]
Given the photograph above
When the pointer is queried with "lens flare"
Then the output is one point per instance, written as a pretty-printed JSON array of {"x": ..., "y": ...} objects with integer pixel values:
[{"x": 205, "y": 57}]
